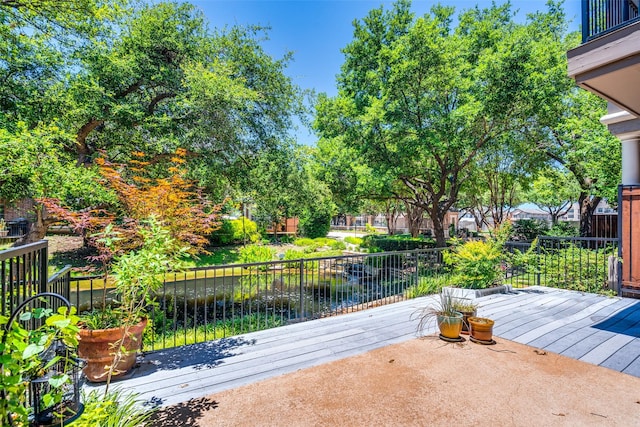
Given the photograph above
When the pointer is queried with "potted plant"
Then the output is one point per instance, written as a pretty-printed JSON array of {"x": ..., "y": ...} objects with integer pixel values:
[
  {"x": 443, "y": 312},
  {"x": 111, "y": 337},
  {"x": 468, "y": 309},
  {"x": 4, "y": 232},
  {"x": 481, "y": 330}
]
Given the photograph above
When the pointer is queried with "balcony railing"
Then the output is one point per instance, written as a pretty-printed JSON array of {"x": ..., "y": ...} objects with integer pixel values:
[{"x": 600, "y": 17}]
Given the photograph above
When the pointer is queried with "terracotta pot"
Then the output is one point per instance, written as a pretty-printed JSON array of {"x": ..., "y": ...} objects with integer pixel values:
[
  {"x": 481, "y": 328},
  {"x": 450, "y": 326},
  {"x": 96, "y": 347}
]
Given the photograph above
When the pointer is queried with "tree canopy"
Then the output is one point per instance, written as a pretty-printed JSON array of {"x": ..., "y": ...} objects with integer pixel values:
[
  {"x": 421, "y": 100},
  {"x": 116, "y": 77}
]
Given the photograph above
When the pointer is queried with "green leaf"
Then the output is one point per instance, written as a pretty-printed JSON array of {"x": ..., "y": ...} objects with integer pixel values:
[
  {"x": 58, "y": 381},
  {"x": 32, "y": 350}
]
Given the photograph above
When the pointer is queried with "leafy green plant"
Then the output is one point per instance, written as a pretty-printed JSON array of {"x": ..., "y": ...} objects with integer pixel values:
[
  {"x": 237, "y": 231},
  {"x": 529, "y": 229},
  {"x": 104, "y": 318},
  {"x": 563, "y": 229},
  {"x": 113, "y": 409},
  {"x": 139, "y": 273},
  {"x": 21, "y": 352},
  {"x": 427, "y": 286},
  {"x": 306, "y": 241},
  {"x": 256, "y": 253},
  {"x": 475, "y": 264},
  {"x": 573, "y": 268},
  {"x": 353, "y": 240},
  {"x": 337, "y": 245},
  {"x": 398, "y": 242},
  {"x": 291, "y": 254}
]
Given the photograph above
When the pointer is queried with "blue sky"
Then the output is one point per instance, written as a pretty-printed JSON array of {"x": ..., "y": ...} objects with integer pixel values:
[{"x": 316, "y": 30}]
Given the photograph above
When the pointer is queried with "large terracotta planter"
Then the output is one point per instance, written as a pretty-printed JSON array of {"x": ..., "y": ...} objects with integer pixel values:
[
  {"x": 481, "y": 328},
  {"x": 97, "y": 348},
  {"x": 450, "y": 326}
]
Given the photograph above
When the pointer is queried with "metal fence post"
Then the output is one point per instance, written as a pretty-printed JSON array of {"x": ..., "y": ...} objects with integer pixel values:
[
  {"x": 416, "y": 266},
  {"x": 301, "y": 290},
  {"x": 44, "y": 270},
  {"x": 538, "y": 258}
]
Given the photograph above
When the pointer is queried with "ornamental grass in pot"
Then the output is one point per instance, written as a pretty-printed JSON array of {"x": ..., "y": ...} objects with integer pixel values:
[
  {"x": 442, "y": 311},
  {"x": 468, "y": 309}
]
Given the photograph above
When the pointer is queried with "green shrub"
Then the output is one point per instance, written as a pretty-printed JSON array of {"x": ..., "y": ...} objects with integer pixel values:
[
  {"x": 337, "y": 245},
  {"x": 368, "y": 228},
  {"x": 315, "y": 223},
  {"x": 256, "y": 253},
  {"x": 304, "y": 241},
  {"x": 427, "y": 286},
  {"x": 563, "y": 229},
  {"x": 292, "y": 254},
  {"x": 400, "y": 242},
  {"x": 236, "y": 231},
  {"x": 353, "y": 240},
  {"x": 475, "y": 264},
  {"x": 573, "y": 268},
  {"x": 115, "y": 409},
  {"x": 529, "y": 229},
  {"x": 286, "y": 238}
]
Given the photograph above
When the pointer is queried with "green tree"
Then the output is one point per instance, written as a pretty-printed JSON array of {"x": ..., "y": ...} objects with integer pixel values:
[
  {"x": 31, "y": 166},
  {"x": 554, "y": 191},
  {"x": 584, "y": 147},
  {"x": 148, "y": 78},
  {"x": 419, "y": 99}
]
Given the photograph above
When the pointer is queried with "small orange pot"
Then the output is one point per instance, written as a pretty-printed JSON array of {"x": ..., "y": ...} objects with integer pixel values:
[{"x": 481, "y": 328}]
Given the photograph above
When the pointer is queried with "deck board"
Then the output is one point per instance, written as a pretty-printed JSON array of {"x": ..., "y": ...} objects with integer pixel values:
[{"x": 588, "y": 327}]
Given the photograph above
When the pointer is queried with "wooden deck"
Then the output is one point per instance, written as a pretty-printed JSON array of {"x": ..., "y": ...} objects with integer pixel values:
[{"x": 592, "y": 328}]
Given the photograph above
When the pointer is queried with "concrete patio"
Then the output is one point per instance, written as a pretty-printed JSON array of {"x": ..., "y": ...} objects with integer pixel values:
[{"x": 596, "y": 329}]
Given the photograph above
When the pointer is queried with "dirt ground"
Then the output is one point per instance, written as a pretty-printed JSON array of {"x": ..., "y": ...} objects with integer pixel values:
[
  {"x": 64, "y": 243},
  {"x": 427, "y": 382}
]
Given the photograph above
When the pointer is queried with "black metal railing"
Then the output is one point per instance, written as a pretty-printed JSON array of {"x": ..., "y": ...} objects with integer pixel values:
[
  {"x": 207, "y": 303},
  {"x": 577, "y": 263},
  {"x": 602, "y": 16},
  {"x": 23, "y": 273}
]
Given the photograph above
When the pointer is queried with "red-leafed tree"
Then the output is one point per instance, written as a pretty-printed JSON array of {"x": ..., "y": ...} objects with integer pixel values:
[{"x": 144, "y": 188}]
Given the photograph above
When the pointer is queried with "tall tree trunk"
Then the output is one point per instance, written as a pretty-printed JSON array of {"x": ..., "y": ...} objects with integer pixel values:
[
  {"x": 415, "y": 216},
  {"x": 587, "y": 208},
  {"x": 391, "y": 216},
  {"x": 438, "y": 230}
]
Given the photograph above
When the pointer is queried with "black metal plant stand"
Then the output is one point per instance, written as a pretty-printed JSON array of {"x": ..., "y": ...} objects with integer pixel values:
[{"x": 70, "y": 408}]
